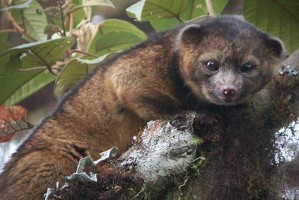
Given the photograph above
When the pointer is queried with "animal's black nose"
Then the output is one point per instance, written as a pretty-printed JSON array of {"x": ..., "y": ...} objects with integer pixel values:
[{"x": 228, "y": 92}]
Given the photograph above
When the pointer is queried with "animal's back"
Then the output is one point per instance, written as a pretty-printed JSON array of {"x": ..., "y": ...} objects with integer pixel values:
[{"x": 88, "y": 120}]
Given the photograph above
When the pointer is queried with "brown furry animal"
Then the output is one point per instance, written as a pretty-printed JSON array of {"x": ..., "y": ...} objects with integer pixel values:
[{"x": 215, "y": 61}]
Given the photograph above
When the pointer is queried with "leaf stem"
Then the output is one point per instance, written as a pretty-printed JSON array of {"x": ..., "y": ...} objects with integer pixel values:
[
  {"x": 33, "y": 69},
  {"x": 83, "y": 52},
  {"x": 210, "y": 8}
]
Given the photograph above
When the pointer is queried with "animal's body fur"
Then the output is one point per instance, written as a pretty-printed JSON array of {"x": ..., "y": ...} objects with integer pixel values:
[{"x": 159, "y": 77}]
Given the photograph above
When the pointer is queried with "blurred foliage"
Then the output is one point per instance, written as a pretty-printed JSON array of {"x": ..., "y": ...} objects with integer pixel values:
[
  {"x": 279, "y": 18},
  {"x": 60, "y": 42}
]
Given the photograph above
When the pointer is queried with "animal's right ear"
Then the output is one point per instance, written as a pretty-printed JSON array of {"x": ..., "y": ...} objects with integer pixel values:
[
  {"x": 277, "y": 47},
  {"x": 189, "y": 35}
]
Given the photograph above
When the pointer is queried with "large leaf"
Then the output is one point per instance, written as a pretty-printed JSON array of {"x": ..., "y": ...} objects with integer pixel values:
[
  {"x": 168, "y": 13},
  {"x": 147, "y": 10},
  {"x": 34, "y": 54},
  {"x": 163, "y": 24},
  {"x": 3, "y": 42},
  {"x": 16, "y": 85},
  {"x": 198, "y": 8},
  {"x": 33, "y": 20},
  {"x": 73, "y": 72},
  {"x": 279, "y": 17},
  {"x": 114, "y": 35}
]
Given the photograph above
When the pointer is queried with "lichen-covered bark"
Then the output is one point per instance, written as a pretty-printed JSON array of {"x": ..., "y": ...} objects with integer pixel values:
[{"x": 162, "y": 151}]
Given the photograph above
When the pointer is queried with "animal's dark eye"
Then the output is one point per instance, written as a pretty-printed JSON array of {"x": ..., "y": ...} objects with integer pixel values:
[
  {"x": 212, "y": 66},
  {"x": 247, "y": 68}
]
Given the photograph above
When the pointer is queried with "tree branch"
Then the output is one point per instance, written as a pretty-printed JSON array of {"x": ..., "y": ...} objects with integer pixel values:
[{"x": 235, "y": 161}]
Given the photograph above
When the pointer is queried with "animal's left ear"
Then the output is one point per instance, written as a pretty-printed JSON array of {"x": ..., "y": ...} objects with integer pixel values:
[
  {"x": 189, "y": 35},
  {"x": 276, "y": 46}
]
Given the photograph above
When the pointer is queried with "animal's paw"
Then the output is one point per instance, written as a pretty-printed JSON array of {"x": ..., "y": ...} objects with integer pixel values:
[
  {"x": 197, "y": 120},
  {"x": 207, "y": 118}
]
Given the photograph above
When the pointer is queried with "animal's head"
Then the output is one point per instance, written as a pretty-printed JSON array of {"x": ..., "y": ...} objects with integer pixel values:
[{"x": 225, "y": 60}]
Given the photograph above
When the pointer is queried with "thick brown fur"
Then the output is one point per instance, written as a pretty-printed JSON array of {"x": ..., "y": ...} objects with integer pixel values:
[{"x": 160, "y": 77}]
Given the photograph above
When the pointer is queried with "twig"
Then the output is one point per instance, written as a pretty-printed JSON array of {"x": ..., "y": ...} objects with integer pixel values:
[
  {"x": 71, "y": 17},
  {"x": 8, "y": 31},
  {"x": 184, "y": 184},
  {"x": 210, "y": 8},
  {"x": 62, "y": 17}
]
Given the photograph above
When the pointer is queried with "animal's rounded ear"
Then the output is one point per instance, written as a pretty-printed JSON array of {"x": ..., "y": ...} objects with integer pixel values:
[
  {"x": 276, "y": 45},
  {"x": 189, "y": 35}
]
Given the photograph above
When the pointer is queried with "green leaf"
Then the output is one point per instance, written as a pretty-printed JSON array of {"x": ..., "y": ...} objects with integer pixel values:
[
  {"x": 114, "y": 35},
  {"x": 279, "y": 18},
  {"x": 163, "y": 24},
  {"x": 3, "y": 42},
  {"x": 19, "y": 6},
  {"x": 35, "y": 22},
  {"x": 169, "y": 13},
  {"x": 219, "y": 5},
  {"x": 156, "y": 9},
  {"x": 34, "y": 54},
  {"x": 78, "y": 17},
  {"x": 135, "y": 10},
  {"x": 16, "y": 85},
  {"x": 198, "y": 8},
  {"x": 73, "y": 72}
]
